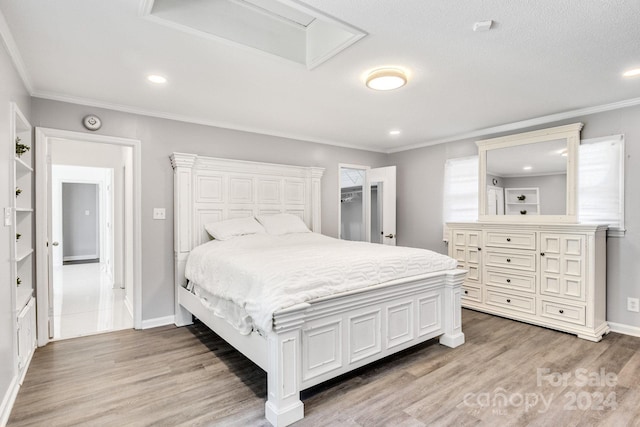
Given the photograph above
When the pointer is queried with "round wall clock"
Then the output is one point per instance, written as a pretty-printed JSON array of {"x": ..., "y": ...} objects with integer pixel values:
[{"x": 92, "y": 122}]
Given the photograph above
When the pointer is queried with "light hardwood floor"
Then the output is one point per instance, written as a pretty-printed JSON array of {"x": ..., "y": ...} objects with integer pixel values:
[{"x": 189, "y": 377}]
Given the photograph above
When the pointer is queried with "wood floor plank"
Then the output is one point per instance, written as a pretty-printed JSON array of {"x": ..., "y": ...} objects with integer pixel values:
[{"x": 188, "y": 376}]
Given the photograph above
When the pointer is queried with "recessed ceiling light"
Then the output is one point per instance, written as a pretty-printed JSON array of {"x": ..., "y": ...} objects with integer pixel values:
[
  {"x": 527, "y": 168},
  {"x": 154, "y": 78},
  {"x": 386, "y": 79},
  {"x": 632, "y": 73},
  {"x": 394, "y": 132}
]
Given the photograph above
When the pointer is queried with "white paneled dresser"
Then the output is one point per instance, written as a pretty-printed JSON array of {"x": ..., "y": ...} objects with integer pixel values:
[{"x": 552, "y": 275}]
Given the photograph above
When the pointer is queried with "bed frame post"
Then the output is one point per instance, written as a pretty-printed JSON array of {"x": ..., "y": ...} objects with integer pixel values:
[
  {"x": 453, "y": 336},
  {"x": 283, "y": 406},
  {"x": 182, "y": 225}
]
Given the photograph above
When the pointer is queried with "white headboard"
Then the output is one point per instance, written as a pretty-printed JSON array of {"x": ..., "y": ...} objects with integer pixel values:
[{"x": 209, "y": 189}]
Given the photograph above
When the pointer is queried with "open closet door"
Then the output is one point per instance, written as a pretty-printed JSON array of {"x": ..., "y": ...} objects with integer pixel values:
[{"x": 383, "y": 205}]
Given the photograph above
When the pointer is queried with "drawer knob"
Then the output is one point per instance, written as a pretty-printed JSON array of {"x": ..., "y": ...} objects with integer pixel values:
[
  {"x": 508, "y": 239},
  {"x": 508, "y": 259},
  {"x": 561, "y": 311},
  {"x": 479, "y": 249},
  {"x": 508, "y": 280},
  {"x": 541, "y": 253},
  {"x": 509, "y": 300},
  {"x": 466, "y": 292}
]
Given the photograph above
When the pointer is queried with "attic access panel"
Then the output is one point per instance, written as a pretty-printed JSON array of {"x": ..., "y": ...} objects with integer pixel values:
[{"x": 284, "y": 28}]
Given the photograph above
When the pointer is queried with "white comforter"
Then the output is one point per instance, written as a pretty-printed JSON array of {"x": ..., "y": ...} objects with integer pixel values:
[{"x": 264, "y": 273}]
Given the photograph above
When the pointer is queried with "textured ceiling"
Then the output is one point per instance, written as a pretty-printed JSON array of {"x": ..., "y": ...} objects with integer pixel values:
[{"x": 540, "y": 58}]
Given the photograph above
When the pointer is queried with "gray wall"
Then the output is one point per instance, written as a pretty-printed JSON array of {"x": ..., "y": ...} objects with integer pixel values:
[
  {"x": 161, "y": 137},
  {"x": 420, "y": 182},
  {"x": 551, "y": 188},
  {"x": 352, "y": 222},
  {"x": 11, "y": 90},
  {"x": 80, "y": 230}
]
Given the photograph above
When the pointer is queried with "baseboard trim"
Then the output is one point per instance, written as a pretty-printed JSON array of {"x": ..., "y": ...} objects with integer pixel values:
[
  {"x": 621, "y": 328},
  {"x": 158, "y": 321},
  {"x": 9, "y": 400},
  {"x": 80, "y": 257}
]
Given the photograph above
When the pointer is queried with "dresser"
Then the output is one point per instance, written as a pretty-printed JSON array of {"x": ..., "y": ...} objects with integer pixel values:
[{"x": 551, "y": 275}]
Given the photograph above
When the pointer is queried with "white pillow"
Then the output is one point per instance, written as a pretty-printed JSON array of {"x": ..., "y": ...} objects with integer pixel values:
[
  {"x": 282, "y": 224},
  {"x": 230, "y": 228}
]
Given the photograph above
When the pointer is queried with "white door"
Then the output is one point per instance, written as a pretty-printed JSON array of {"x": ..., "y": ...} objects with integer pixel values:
[
  {"x": 45, "y": 245},
  {"x": 383, "y": 208}
]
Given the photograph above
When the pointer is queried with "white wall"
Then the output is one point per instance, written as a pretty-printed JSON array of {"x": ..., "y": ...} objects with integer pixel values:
[
  {"x": 11, "y": 90},
  {"x": 80, "y": 221},
  {"x": 421, "y": 171},
  {"x": 161, "y": 137}
]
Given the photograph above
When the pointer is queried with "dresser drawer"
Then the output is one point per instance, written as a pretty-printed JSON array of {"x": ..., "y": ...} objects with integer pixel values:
[
  {"x": 565, "y": 312},
  {"x": 471, "y": 293},
  {"x": 517, "y": 260},
  {"x": 512, "y": 302},
  {"x": 519, "y": 240},
  {"x": 508, "y": 280}
]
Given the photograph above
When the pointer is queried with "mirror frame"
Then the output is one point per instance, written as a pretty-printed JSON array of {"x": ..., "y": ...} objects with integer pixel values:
[{"x": 569, "y": 132}]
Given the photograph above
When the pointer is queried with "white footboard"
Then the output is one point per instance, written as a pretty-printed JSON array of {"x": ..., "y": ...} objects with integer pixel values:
[{"x": 312, "y": 343}]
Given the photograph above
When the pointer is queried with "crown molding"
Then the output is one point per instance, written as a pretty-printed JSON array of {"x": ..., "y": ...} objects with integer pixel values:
[
  {"x": 14, "y": 53},
  {"x": 523, "y": 124},
  {"x": 199, "y": 121}
]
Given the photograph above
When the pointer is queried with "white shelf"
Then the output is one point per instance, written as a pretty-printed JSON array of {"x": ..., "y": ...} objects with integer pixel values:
[
  {"x": 22, "y": 256},
  {"x": 530, "y": 204},
  {"x": 23, "y": 164},
  {"x": 22, "y": 253}
]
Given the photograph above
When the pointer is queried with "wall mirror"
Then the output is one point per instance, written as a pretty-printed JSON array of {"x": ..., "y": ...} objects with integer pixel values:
[{"x": 530, "y": 177}]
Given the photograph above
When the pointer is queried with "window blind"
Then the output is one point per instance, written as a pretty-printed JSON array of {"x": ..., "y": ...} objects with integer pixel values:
[
  {"x": 601, "y": 182},
  {"x": 460, "y": 193}
]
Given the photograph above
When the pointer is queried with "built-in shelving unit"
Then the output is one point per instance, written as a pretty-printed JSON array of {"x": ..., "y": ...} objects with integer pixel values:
[
  {"x": 22, "y": 228},
  {"x": 521, "y": 201}
]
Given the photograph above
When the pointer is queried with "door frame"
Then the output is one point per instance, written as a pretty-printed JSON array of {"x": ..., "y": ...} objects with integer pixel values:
[
  {"x": 100, "y": 230},
  {"x": 42, "y": 160},
  {"x": 106, "y": 207}
]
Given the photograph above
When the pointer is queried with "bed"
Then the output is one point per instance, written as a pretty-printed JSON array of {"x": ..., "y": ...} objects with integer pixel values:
[{"x": 315, "y": 338}]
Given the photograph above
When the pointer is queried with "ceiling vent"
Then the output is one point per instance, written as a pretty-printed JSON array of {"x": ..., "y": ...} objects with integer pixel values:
[{"x": 284, "y": 28}]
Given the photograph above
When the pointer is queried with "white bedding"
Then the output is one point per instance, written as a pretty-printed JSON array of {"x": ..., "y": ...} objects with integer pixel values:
[{"x": 263, "y": 273}]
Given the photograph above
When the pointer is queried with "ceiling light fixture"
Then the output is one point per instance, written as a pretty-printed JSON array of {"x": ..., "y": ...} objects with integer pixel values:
[
  {"x": 154, "y": 78},
  {"x": 632, "y": 73},
  {"x": 394, "y": 132},
  {"x": 386, "y": 79}
]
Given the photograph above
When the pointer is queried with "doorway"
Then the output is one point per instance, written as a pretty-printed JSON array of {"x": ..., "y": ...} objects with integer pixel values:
[
  {"x": 367, "y": 210},
  {"x": 89, "y": 295},
  {"x": 88, "y": 234}
]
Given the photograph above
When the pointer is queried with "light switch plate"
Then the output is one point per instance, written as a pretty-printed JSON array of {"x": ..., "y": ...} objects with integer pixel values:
[{"x": 159, "y": 213}]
